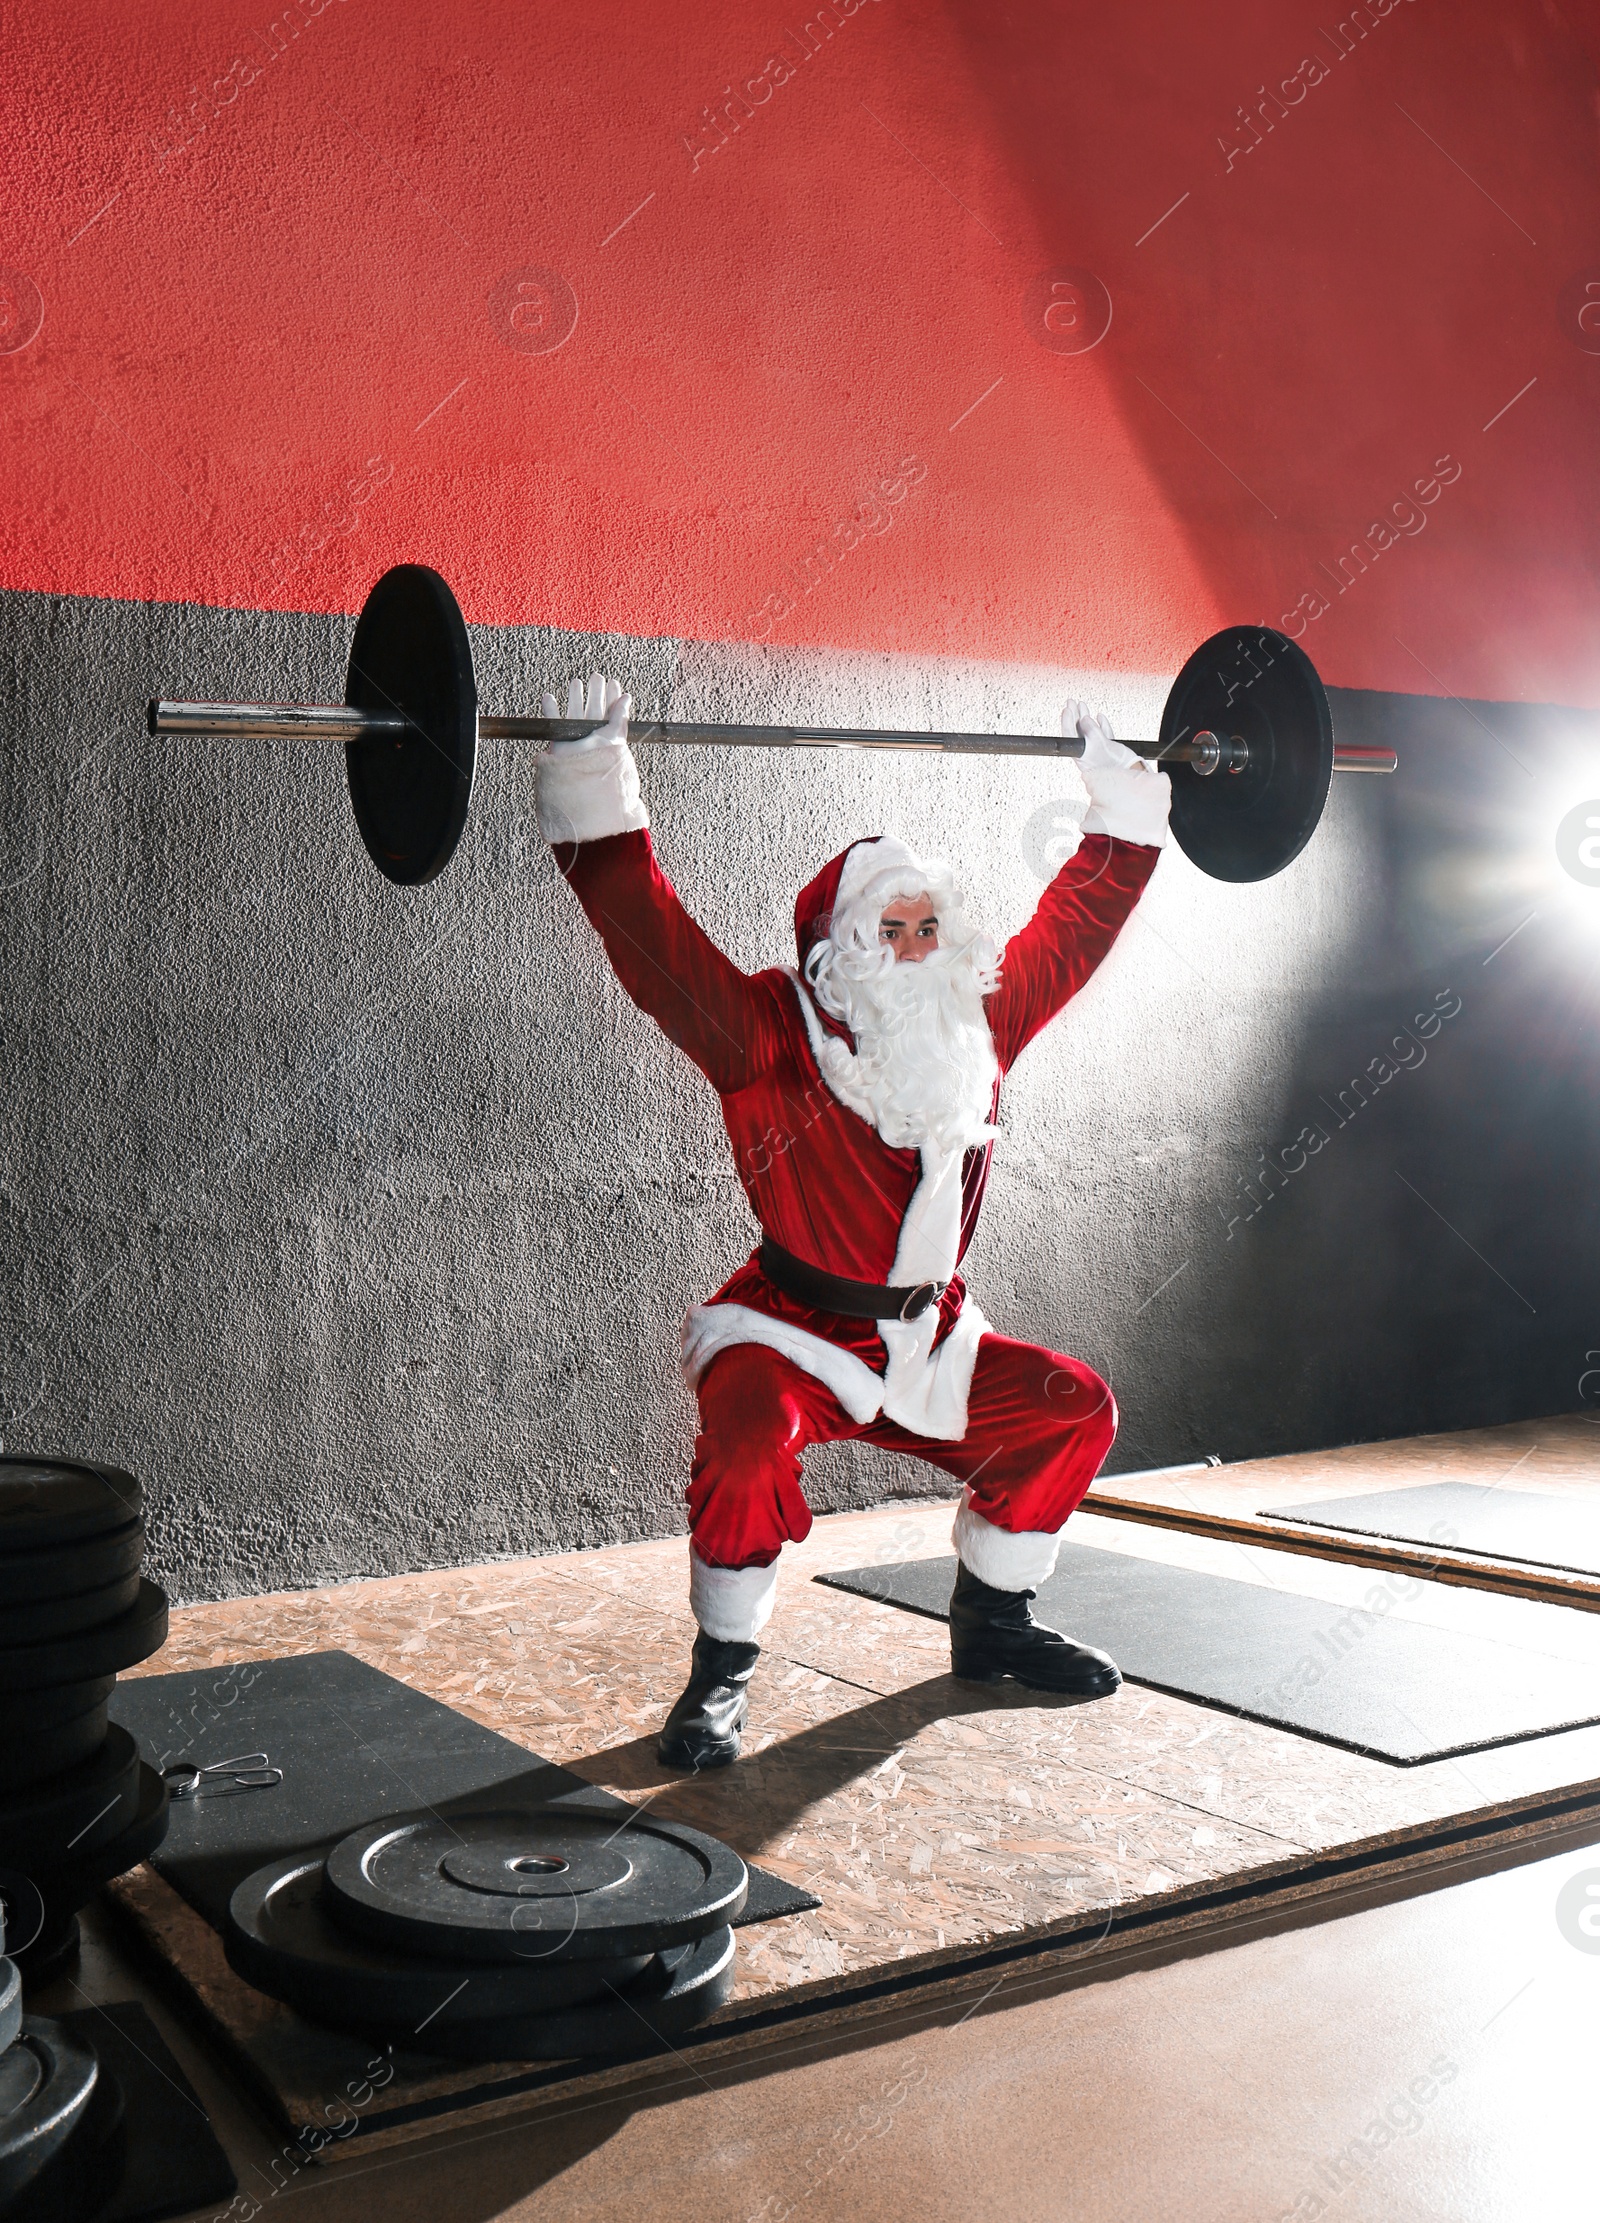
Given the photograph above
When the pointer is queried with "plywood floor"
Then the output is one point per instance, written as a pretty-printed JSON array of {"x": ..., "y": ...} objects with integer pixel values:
[
  {"x": 1273, "y": 2080},
  {"x": 932, "y": 1819},
  {"x": 1554, "y": 1457}
]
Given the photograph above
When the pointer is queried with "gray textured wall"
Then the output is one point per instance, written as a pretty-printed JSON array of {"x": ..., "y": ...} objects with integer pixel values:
[{"x": 360, "y": 1222}]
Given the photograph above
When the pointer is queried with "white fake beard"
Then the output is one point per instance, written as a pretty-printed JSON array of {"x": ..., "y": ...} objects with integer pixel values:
[{"x": 924, "y": 1068}]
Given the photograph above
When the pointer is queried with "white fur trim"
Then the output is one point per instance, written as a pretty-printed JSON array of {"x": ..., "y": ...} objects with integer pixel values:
[
  {"x": 587, "y": 790},
  {"x": 924, "y": 1390},
  {"x": 930, "y": 1233},
  {"x": 927, "y": 1390},
  {"x": 733, "y": 1604},
  {"x": 711, "y": 1328},
  {"x": 1006, "y": 1559}
]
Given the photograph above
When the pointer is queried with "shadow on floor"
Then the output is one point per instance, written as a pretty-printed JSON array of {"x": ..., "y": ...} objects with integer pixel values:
[{"x": 763, "y": 1795}]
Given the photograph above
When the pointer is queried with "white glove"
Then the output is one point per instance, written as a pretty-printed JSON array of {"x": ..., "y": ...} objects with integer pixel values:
[
  {"x": 603, "y": 699},
  {"x": 589, "y": 789},
  {"x": 1129, "y": 798}
]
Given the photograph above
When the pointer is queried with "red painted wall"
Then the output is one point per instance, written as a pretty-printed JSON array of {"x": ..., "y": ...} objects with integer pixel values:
[{"x": 281, "y": 345}]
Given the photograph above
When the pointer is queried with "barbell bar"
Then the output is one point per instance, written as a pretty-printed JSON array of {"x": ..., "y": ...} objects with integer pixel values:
[
  {"x": 288, "y": 721},
  {"x": 1248, "y": 704}
]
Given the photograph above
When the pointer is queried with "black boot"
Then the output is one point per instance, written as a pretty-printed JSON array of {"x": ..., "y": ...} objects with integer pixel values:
[
  {"x": 703, "y": 1728},
  {"x": 993, "y": 1634}
]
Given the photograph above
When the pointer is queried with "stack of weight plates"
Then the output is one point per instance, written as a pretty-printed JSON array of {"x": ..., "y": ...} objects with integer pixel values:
[
  {"x": 61, "y": 2142},
  {"x": 77, "y": 1805},
  {"x": 535, "y": 1934}
]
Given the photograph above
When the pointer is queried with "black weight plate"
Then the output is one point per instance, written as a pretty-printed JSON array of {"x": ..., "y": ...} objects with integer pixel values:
[
  {"x": 1256, "y": 685},
  {"x": 283, "y": 1938},
  {"x": 25, "y": 1760},
  {"x": 47, "y": 1617},
  {"x": 47, "y": 2081},
  {"x": 561, "y": 1881},
  {"x": 21, "y": 2074},
  {"x": 68, "y": 1568},
  {"x": 74, "y": 2182},
  {"x": 46, "y": 1502},
  {"x": 105, "y": 1650},
  {"x": 30, "y": 1713},
  {"x": 51, "y": 1956},
  {"x": 10, "y": 2002},
  {"x": 679, "y": 1989},
  {"x": 77, "y": 1879},
  {"x": 411, "y": 791},
  {"x": 74, "y": 1812},
  {"x": 44, "y": 1902}
]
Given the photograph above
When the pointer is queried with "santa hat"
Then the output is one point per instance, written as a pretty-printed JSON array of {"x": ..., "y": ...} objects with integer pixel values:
[{"x": 843, "y": 881}]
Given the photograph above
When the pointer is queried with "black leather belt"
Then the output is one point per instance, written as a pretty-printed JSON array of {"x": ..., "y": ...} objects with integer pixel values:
[{"x": 860, "y": 1300}]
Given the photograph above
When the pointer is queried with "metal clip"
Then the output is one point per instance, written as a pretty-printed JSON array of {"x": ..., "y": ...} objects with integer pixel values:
[{"x": 246, "y": 1771}]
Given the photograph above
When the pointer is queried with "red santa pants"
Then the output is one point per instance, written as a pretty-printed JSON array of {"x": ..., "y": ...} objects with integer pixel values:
[{"x": 1038, "y": 1427}]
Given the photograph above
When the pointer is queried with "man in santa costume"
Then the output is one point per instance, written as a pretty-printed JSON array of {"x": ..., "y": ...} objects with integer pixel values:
[{"x": 859, "y": 1090}]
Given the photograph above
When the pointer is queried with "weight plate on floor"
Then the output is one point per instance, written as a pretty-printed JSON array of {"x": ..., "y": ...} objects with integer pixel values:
[
  {"x": 47, "y": 2083},
  {"x": 105, "y": 1650},
  {"x": 46, "y": 1502},
  {"x": 547, "y": 1882},
  {"x": 10, "y": 2002},
  {"x": 47, "y": 1617},
  {"x": 411, "y": 791},
  {"x": 283, "y": 1938},
  {"x": 29, "y": 1713},
  {"x": 22, "y": 2071},
  {"x": 678, "y": 1990},
  {"x": 1255, "y": 685},
  {"x": 74, "y": 1812},
  {"x": 75, "y": 2180},
  {"x": 66, "y": 1569}
]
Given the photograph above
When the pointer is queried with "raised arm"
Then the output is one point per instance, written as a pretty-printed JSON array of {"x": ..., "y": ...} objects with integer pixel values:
[
  {"x": 592, "y": 814},
  {"x": 1090, "y": 899}
]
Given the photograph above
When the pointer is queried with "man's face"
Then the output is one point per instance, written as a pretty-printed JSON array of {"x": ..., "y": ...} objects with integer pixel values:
[{"x": 910, "y": 927}]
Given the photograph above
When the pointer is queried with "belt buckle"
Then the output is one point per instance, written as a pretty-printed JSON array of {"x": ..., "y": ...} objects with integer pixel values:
[{"x": 926, "y": 1293}]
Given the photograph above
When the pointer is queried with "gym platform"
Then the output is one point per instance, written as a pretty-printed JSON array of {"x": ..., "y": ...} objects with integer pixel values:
[
  {"x": 956, "y": 1837},
  {"x": 1276, "y": 1503}
]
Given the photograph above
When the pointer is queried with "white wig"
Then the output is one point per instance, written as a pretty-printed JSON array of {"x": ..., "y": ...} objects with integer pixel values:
[{"x": 924, "y": 1068}]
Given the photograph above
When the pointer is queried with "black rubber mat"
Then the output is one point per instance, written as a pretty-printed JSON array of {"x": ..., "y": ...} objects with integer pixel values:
[
  {"x": 174, "y": 2163},
  {"x": 1532, "y": 1527},
  {"x": 1343, "y": 1674},
  {"x": 355, "y": 1745}
]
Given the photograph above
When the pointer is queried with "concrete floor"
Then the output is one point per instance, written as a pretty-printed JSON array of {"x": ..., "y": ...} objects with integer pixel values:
[{"x": 1433, "y": 2058}]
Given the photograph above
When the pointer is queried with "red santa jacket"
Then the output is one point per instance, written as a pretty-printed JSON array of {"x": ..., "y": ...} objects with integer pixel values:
[{"x": 820, "y": 1180}]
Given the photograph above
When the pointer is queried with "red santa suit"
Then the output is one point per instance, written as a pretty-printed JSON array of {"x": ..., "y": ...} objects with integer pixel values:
[{"x": 1025, "y": 1429}]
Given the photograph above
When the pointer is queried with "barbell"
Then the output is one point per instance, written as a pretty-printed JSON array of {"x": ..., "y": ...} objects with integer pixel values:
[{"x": 1246, "y": 729}]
